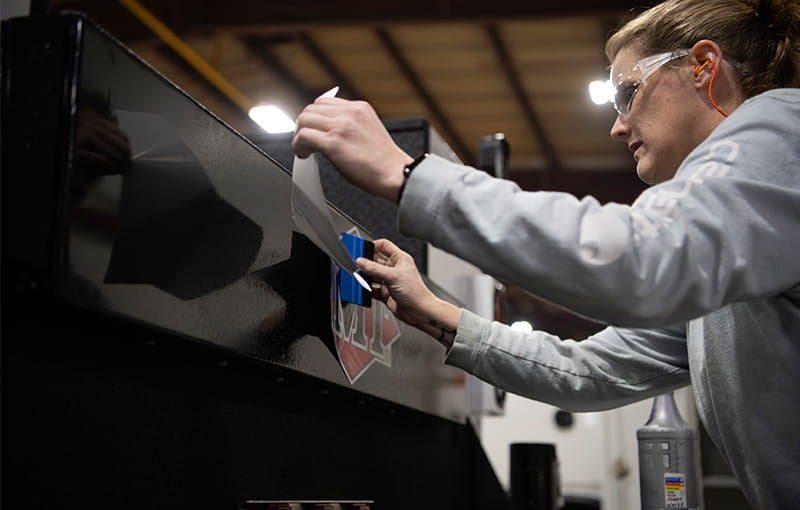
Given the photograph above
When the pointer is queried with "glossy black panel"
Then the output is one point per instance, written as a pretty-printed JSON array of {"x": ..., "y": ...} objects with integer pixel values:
[
  {"x": 168, "y": 340},
  {"x": 165, "y": 215}
]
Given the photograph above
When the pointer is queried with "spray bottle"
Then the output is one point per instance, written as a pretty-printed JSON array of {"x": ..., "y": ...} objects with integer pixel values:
[{"x": 669, "y": 459}]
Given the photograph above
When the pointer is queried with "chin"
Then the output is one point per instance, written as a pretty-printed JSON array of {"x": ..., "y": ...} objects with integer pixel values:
[
  {"x": 652, "y": 174},
  {"x": 646, "y": 175}
]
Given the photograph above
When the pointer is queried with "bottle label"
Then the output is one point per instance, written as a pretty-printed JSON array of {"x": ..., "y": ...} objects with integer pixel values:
[{"x": 675, "y": 490}]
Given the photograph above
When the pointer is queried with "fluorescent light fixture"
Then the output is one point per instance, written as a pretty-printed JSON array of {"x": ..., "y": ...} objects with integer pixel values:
[
  {"x": 524, "y": 326},
  {"x": 601, "y": 92},
  {"x": 271, "y": 119}
]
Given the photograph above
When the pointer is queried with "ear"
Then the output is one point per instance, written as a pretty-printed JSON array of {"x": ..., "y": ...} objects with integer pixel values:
[{"x": 702, "y": 54}]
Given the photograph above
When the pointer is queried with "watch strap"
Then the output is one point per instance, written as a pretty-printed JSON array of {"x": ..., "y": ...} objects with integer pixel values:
[{"x": 407, "y": 170}]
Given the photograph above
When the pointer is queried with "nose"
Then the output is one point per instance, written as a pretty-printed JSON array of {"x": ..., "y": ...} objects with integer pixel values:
[{"x": 620, "y": 130}]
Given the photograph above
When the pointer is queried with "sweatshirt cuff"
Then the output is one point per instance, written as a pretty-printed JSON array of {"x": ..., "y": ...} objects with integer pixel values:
[
  {"x": 467, "y": 344},
  {"x": 424, "y": 193}
]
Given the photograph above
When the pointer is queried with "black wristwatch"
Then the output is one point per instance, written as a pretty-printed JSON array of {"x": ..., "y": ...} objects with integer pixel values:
[{"x": 407, "y": 173}]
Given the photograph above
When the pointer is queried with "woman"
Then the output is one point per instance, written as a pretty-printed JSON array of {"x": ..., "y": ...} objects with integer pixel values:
[{"x": 700, "y": 277}]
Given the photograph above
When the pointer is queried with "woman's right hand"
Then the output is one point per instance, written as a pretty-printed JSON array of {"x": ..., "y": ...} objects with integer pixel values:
[
  {"x": 401, "y": 288},
  {"x": 352, "y": 137}
]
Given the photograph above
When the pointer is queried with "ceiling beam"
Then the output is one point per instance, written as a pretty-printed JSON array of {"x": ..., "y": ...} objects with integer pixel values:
[
  {"x": 244, "y": 12},
  {"x": 183, "y": 15},
  {"x": 522, "y": 97},
  {"x": 339, "y": 78},
  {"x": 437, "y": 115},
  {"x": 260, "y": 47},
  {"x": 262, "y": 51},
  {"x": 188, "y": 53},
  {"x": 199, "y": 88}
]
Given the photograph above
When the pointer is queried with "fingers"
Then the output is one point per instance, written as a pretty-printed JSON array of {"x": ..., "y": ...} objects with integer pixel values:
[
  {"x": 390, "y": 265},
  {"x": 327, "y": 106},
  {"x": 115, "y": 137},
  {"x": 377, "y": 271},
  {"x": 383, "y": 294},
  {"x": 323, "y": 115},
  {"x": 386, "y": 246},
  {"x": 101, "y": 148},
  {"x": 315, "y": 126},
  {"x": 315, "y": 119},
  {"x": 352, "y": 137},
  {"x": 388, "y": 251},
  {"x": 326, "y": 114},
  {"x": 307, "y": 141}
]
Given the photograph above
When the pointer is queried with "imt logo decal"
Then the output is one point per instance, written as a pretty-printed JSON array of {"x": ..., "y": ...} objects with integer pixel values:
[{"x": 363, "y": 336}]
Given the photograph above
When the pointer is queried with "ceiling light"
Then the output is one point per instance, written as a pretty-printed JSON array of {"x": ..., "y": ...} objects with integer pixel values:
[
  {"x": 271, "y": 119},
  {"x": 601, "y": 92}
]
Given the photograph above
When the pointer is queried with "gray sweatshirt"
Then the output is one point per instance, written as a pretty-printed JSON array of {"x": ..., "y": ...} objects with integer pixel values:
[{"x": 700, "y": 278}]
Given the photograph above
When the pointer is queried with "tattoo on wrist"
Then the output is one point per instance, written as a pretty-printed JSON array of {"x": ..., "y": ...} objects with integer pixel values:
[{"x": 446, "y": 336}]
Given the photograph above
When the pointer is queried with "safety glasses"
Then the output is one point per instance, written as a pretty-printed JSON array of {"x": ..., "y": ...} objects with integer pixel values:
[{"x": 626, "y": 84}]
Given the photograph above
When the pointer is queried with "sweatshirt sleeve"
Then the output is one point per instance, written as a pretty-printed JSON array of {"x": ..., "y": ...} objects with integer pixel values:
[
  {"x": 611, "y": 368},
  {"x": 725, "y": 229}
]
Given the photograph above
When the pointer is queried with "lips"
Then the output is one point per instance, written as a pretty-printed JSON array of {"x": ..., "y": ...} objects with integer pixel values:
[{"x": 633, "y": 146}]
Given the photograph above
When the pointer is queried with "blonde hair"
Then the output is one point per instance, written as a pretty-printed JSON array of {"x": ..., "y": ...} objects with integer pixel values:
[{"x": 763, "y": 36}]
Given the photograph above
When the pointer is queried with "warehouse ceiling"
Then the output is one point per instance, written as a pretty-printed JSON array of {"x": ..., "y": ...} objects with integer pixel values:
[{"x": 472, "y": 68}]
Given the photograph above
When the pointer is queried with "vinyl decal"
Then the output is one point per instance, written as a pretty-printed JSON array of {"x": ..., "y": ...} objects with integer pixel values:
[{"x": 363, "y": 336}]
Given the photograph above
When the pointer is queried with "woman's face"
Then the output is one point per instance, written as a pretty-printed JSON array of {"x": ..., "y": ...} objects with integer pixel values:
[{"x": 666, "y": 119}]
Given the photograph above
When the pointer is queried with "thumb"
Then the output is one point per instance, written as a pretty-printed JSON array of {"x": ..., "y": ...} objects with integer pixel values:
[{"x": 375, "y": 270}]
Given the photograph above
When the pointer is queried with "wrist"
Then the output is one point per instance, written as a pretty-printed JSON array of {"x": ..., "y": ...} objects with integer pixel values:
[
  {"x": 394, "y": 178},
  {"x": 440, "y": 320},
  {"x": 407, "y": 169}
]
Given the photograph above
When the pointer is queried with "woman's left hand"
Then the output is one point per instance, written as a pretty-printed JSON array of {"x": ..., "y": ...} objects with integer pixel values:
[{"x": 402, "y": 289}]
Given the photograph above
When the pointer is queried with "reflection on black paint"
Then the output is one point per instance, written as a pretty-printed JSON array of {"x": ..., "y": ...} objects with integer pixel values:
[
  {"x": 188, "y": 246},
  {"x": 163, "y": 195},
  {"x": 175, "y": 232},
  {"x": 157, "y": 195}
]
